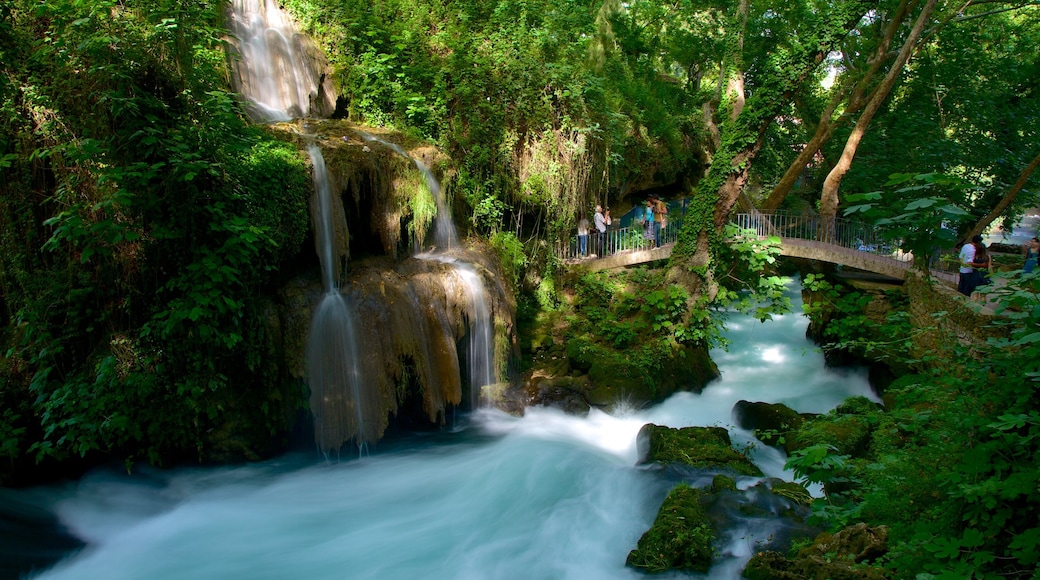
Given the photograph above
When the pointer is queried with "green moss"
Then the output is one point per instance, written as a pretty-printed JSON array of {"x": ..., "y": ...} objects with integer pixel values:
[
  {"x": 723, "y": 483},
  {"x": 680, "y": 538},
  {"x": 701, "y": 447},
  {"x": 849, "y": 434}
]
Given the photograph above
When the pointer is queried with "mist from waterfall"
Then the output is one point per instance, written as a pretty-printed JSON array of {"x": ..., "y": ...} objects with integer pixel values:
[{"x": 273, "y": 71}]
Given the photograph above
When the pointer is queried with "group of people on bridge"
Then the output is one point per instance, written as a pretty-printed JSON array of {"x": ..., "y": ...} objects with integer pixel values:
[
  {"x": 592, "y": 240},
  {"x": 600, "y": 221}
]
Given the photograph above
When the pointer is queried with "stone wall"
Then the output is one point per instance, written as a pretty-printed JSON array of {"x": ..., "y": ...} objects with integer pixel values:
[{"x": 946, "y": 318}]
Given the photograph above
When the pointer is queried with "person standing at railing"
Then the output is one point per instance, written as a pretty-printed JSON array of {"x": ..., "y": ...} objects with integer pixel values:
[
  {"x": 583, "y": 237},
  {"x": 600, "y": 222},
  {"x": 648, "y": 220},
  {"x": 969, "y": 278},
  {"x": 660, "y": 219}
]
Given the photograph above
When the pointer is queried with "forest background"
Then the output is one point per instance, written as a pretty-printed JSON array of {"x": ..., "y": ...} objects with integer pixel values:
[{"x": 139, "y": 233}]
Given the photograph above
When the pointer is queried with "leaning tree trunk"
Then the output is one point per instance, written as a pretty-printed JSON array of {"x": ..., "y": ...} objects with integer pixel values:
[
  {"x": 829, "y": 196},
  {"x": 826, "y": 127},
  {"x": 691, "y": 264},
  {"x": 1006, "y": 201}
]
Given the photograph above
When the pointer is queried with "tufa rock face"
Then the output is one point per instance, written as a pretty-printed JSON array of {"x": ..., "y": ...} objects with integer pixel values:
[{"x": 412, "y": 320}]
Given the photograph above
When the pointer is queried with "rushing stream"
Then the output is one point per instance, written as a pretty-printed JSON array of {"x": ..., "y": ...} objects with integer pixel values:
[{"x": 543, "y": 496}]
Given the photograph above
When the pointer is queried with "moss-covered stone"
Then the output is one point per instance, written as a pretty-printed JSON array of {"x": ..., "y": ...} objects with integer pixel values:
[
  {"x": 722, "y": 482},
  {"x": 849, "y": 434},
  {"x": 701, "y": 447},
  {"x": 772, "y": 423},
  {"x": 857, "y": 406},
  {"x": 680, "y": 538},
  {"x": 843, "y": 556}
]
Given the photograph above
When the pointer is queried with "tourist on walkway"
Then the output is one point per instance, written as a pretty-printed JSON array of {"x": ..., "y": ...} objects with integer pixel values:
[
  {"x": 1032, "y": 251},
  {"x": 982, "y": 262},
  {"x": 968, "y": 279},
  {"x": 648, "y": 221},
  {"x": 660, "y": 214},
  {"x": 600, "y": 221},
  {"x": 583, "y": 237}
]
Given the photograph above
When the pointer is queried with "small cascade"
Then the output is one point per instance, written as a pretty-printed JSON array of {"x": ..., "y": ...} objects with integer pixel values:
[
  {"x": 278, "y": 70},
  {"x": 445, "y": 236},
  {"x": 481, "y": 351},
  {"x": 481, "y": 335},
  {"x": 332, "y": 356}
]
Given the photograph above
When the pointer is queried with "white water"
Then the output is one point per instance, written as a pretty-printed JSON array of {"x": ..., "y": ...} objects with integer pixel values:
[
  {"x": 445, "y": 236},
  {"x": 543, "y": 496},
  {"x": 273, "y": 73},
  {"x": 481, "y": 348},
  {"x": 332, "y": 353}
]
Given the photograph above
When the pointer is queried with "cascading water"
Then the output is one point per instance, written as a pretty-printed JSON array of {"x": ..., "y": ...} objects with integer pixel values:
[
  {"x": 275, "y": 70},
  {"x": 445, "y": 236},
  {"x": 336, "y": 397},
  {"x": 546, "y": 495},
  {"x": 481, "y": 348},
  {"x": 277, "y": 74}
]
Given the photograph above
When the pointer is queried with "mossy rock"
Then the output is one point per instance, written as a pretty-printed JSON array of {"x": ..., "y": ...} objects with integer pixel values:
[
  {"x": 722, "y": 482},
  {"x": 690, "y": 368},
  {"x": 858, "y": 405},
  {"x": 582, "y": 353},
  {"x": 680, "y": 538},
  {"x": 706, "y": 448},
  {"x": 845, "y": 555},
  {"x": 849, "y": 434},
  {"x": 614, "y": 378},
  {"x": 772, "y": 423}
]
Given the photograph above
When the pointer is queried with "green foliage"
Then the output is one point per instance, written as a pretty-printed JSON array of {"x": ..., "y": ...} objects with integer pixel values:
[
  {"x": 140, "y": 220},
  {"x": 511, "y": 255},
  {"x": 919, "y": 213},
  {"x": 951, "y": 467}
]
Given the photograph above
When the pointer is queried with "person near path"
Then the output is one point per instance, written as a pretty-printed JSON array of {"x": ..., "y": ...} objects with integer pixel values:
[
  {"x": 1032, "y": 252},
  {"x": 648, "y": 221},
  {"x": 600, "y": 221},
  {"x": 967, "y": 280},
  {"x": 982, "y": 263},
  {"x": 660, "y": 219},
  {"x": 583, "y": 237}
]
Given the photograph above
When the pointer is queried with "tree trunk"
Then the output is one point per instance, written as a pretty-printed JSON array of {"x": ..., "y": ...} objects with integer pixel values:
[
  {"x": 1006, "y": 201},
  {"x": 691, "y": 264},
  {"x": 829, "y": 196},
  {"x": 826, "y": 127}
]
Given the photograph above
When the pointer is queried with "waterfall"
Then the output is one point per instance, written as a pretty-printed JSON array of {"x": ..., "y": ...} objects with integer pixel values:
[
  {"x": 445, "y": 236},
  {"x": 277, "y": 69},
  {"x": 481, "y": 334},
  {"x": 278, "y": 73},
  {"x": 481, "y": 348},
  {"x": 332, "y": 355}
]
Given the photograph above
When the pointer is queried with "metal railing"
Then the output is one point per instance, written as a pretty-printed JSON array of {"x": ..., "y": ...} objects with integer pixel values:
[
  {"x": 616, "y": 241},
  {"x": 836, "y": 231}
]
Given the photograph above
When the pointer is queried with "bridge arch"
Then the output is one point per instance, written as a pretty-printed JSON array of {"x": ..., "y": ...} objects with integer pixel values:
[{"x": 844, "y": 242}]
